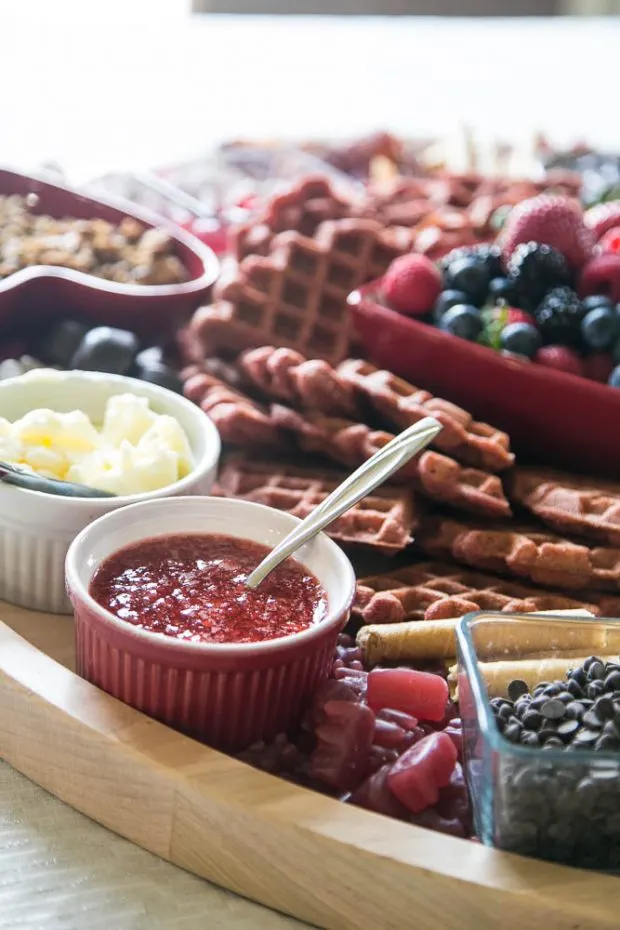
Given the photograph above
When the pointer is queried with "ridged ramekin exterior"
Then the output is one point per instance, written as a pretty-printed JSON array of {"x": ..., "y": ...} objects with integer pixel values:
[
  {"x": 212, "y": 699},
  {"x": 32, "y": 568}
]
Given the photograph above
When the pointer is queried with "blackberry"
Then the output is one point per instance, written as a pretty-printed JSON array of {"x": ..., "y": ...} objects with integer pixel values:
[
  {"x": 536, "y": 269},
  {"x": 487, "y": 255},
  {"x": 559, "y": 317}
]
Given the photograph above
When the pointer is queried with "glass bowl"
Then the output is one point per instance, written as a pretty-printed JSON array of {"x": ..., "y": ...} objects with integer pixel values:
[{"x": 560, "y": 804}]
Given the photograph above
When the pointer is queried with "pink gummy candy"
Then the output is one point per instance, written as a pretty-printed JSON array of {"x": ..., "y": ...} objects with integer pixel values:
[
  {"x": 344, "y": 738},
  {"x": 416, "y": 778},
  {"x": 420, "y": 694}
]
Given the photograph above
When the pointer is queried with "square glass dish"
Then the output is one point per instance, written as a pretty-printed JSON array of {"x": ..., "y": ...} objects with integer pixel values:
[{"x": 560, "y": 803}]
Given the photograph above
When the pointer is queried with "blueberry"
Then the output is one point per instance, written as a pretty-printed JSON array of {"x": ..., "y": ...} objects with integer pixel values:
[
  {"x": 521, "y": 339},
  {"x": 153, "y": 355},
  {"x": 614, "y": 378},
  {"x": 108, "y": 349},
  {"x": 471, "y": 276},
  {"x": 596, "y": 300},
  {"x": 502, "y": 289},
  {"x": 615, "y": 352},
  {"x": 462, "y": 320},
  {"x": 600, "y": 328},
  {"x": 58, "y": 343},
  {"x": 446, "y": 300},
  {"x": 163, "y": 375}
]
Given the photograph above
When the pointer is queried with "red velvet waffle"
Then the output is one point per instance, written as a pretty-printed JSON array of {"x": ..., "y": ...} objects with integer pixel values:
[
  {"x": 569, "y": 503},
  {"x": 382, "y": 521},
  {"x": 438, "y": 591},
  {"x": 437, "y": 476},
  {"x": 522, "y": 551},
  {"x": 402, "y": 404},
  {"x": 286, "y": 375},
  {"x": 308, "y": 204},
  {"x": 296, "y": 296},
  {"x": 239, "y": 420}
]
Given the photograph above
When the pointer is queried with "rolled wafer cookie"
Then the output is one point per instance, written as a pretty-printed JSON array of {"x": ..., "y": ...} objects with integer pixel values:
[
  {"x": 435, "y": 639},
  {"x": 498, "y": 675}
]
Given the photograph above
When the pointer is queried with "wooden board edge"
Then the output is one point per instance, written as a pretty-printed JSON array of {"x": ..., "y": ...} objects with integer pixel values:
[{"x": 294, "y": 850}]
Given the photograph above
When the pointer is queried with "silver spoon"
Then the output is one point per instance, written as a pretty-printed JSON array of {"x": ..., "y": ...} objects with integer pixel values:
[
  {"x": 30, "y": 482},
  {"x": 357, "y": 486}
]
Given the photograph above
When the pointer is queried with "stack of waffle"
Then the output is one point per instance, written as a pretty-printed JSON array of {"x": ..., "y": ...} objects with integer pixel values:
[
  {"x": 296, "y": 261},
  {"x": 502, "y": 536}
]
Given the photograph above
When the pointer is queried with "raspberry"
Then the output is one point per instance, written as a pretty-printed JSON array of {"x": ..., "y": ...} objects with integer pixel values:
[
  {"x": 560, "y": 358},
  {"x": 549, "y": 220},
  {"x": 602, "y": 217},
  {"x": 610, "y": 242},
  {"x": 601, "y": 276},
  {"x": 412, "y": 284}
]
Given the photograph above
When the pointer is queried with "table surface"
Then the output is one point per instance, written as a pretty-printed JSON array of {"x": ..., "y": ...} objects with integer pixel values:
[{"x": 132, "y": 83}]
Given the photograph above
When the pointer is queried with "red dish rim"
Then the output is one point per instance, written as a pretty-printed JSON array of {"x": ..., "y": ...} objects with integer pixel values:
[{"x": 205, "y": 254}]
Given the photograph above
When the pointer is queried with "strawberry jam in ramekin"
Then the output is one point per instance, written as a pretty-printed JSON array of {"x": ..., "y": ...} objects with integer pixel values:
[
  {"x": 192, "y": 587},
  {"x": 164, "y": 622}
]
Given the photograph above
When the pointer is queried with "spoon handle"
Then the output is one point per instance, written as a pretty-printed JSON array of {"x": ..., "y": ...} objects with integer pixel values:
[{"x": 365, "y": 479}]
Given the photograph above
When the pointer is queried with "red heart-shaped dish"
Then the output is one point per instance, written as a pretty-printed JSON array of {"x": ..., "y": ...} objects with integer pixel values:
[
  {"x": 551, "y": 416},
  {"x": 39, "y": 292}
]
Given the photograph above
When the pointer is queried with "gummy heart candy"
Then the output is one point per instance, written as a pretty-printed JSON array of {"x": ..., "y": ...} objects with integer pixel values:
[
  {"x": 421, "y": 694},
  {"x": 416, "y": 778}
]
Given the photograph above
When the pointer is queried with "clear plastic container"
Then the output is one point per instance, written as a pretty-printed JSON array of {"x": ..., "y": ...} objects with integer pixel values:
[{"x": 557, "y": 804}]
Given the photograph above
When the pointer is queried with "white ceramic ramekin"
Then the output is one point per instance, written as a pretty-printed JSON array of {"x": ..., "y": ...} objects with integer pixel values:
[
  {"x": 36, "y": 528},
  {"x": 226, "y": 695}
]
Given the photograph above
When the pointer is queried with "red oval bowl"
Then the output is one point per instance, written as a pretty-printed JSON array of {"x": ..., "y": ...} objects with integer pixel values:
[
  {"x": 44, "y": 291},
  {"x": 551, "y": 417},
  {"x": 229, "y": 695}
]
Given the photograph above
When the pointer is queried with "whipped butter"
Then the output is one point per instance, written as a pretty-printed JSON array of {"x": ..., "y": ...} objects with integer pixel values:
[{"x": 133, "y": 451}]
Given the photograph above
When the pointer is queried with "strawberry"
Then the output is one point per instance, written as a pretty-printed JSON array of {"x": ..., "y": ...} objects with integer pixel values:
[
  {"x": 560, "y": 358},
  {"x": 550, "y": 220},
  {"x": 514, "y": 315},
  {"x": 610, "y": 241},
  {"x": 601, "y": 276},
  {"x": 602, "y": 217},
  {"x": 412, "y": 284}
]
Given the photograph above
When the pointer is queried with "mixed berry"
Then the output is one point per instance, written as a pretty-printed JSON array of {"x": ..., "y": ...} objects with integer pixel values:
[{"x": 547, "y": 291}]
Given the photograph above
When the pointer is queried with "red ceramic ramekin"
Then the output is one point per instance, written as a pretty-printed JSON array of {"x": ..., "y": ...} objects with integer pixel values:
[
  {"x": 551, "y": 417},
  {"x": 41, "y": 292},
  {"x": 227, "y": 695}
]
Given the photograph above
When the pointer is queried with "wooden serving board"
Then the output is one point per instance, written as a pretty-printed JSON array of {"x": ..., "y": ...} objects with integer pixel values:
[{"x": 286, "y": 847}]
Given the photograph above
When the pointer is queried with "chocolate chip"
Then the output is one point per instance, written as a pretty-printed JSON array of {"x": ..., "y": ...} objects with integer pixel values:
[
  {"x": 592, "y": 720},
  {"x": 595, "y": 688},
  {"x": 505, "y": 712},
  {"x": 578, "y": 676},
  {"x": 585, "y": 737},
  {"x": 553, "y": 709},
  {"x": 532, "y": 719},
  {"x": 565, "y": 697},
  {"x": 512, "y": 731},
  {"x": 575, "y": 710},
  {"x": 574, "y": 688},
  {"x": 607, "y": 741},
  {"x": 553, "y": 689},
  {"x": 567, "y": 728},
  {"x": 596, "y": 670},
  {"x": 604, "y": 708},
  {"x": 612, "y": 682},
  {"x": 547, "y": 731},
  {"x": 517, "y": 689},
  {"x": 529, "y": 738},
  {"x": 553, "y": 742},
  {"x": 588, "y": 662}
]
